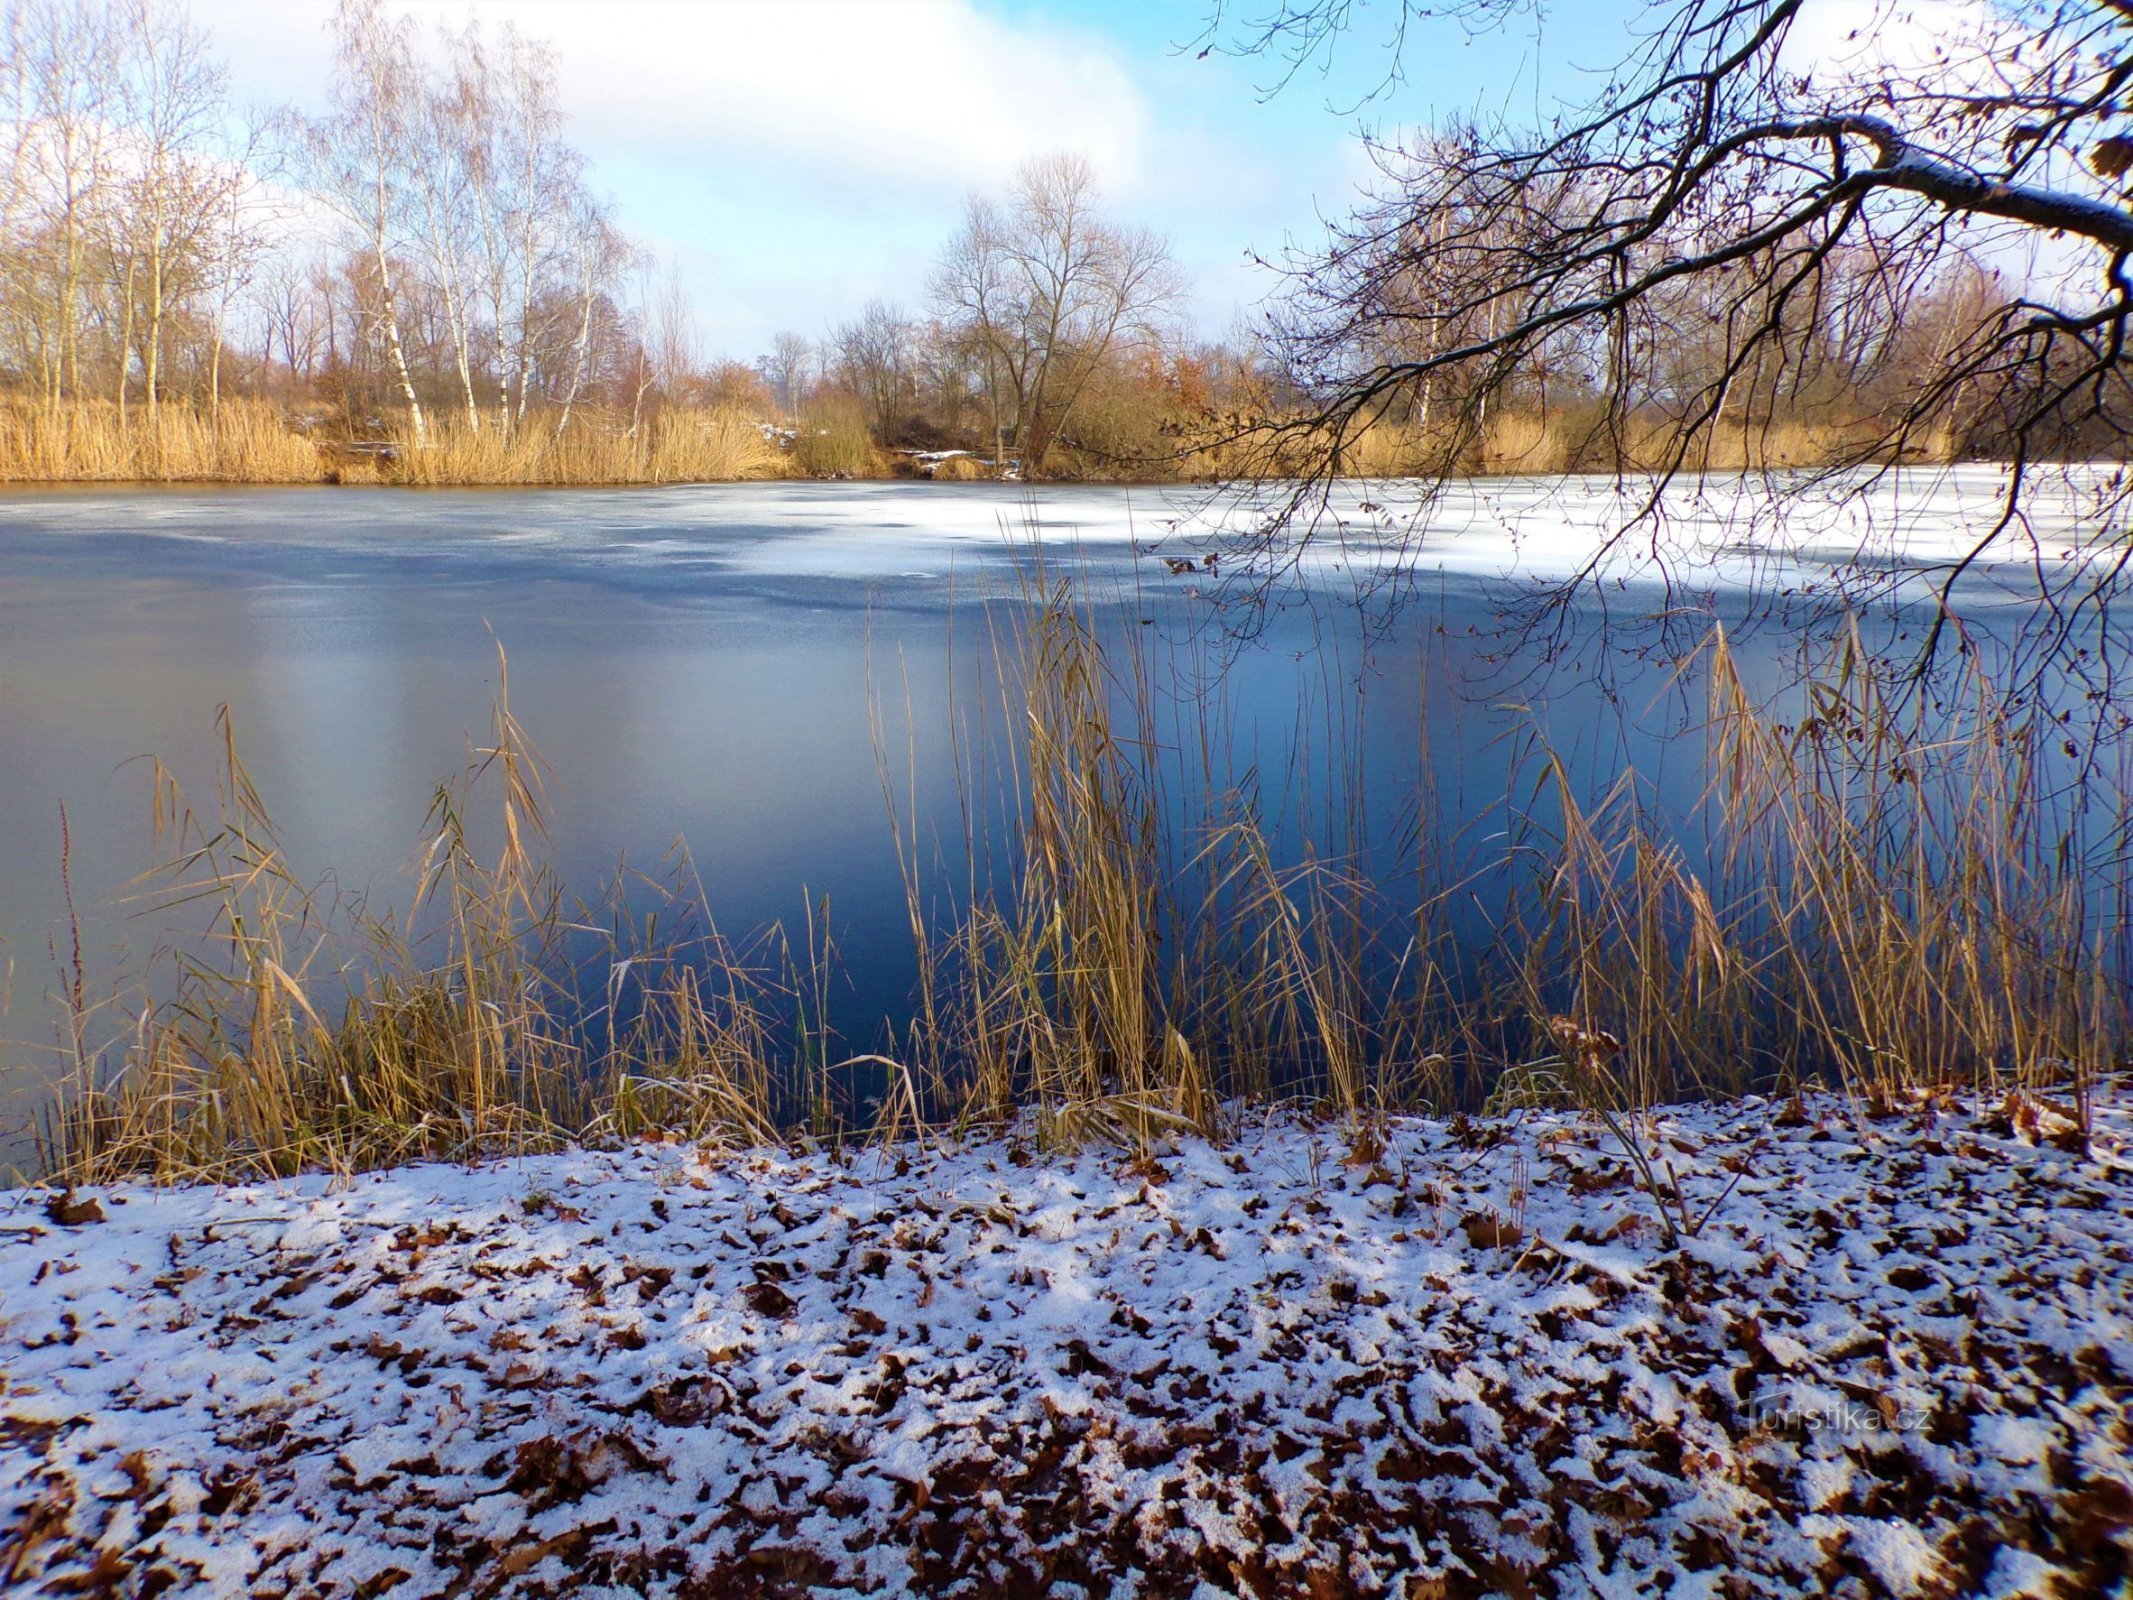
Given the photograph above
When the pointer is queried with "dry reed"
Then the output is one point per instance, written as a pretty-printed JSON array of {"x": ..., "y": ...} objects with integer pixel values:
[
  {"x": 250, "y": 441},
  {"x": 241, "y": 441},
  {"x": 1879, "y": 899},
  {"x": 677, "y": 445},
  {"x": 1525, "y": 442},
  {"x": 247, "y": 440}
]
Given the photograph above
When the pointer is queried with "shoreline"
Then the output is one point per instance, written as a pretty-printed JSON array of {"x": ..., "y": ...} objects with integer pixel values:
[
  {"x": 8, "y": 484},
  {"x": 922, "y": 481},
  {"x": 253, "y": 443}
]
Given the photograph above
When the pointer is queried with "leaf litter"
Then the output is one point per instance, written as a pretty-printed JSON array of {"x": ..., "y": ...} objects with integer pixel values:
[{"x": 1416, "y": 1358}]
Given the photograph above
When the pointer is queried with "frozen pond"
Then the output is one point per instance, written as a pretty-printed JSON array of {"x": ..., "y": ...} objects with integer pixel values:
[{"x": 700, "y": 664}]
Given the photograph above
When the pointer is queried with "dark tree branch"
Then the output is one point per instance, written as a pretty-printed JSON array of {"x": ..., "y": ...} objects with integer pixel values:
[{"x": 1725, "y": 234}]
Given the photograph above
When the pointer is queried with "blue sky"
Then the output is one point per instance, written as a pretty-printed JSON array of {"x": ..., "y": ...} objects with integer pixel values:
[{"x": 793, "y": 158}]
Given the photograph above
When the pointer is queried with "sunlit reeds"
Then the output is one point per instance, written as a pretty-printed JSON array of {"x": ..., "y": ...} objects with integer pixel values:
[
  {"x": 1889, "y": 898},
  {"x": 239, "y": 441},
  {"x": 675, "y": 445},
  {"x": 249, "y": 440},
  {"x": 244, "y": 440},
  {"x": 293, "y": 1038}
]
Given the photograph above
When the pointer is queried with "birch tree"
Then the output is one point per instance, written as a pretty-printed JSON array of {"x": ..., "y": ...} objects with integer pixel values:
[
  {"x": 62, "y": 81},
  {"x": 452, "y": 132},
  {"x": 361, "y": 155},
  {"x": 523, "y": 178},
  {"x": 603, "y": 256}
]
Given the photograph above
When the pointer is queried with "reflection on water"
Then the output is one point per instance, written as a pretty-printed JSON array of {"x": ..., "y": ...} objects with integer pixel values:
[{"x": 700, "y": 664}]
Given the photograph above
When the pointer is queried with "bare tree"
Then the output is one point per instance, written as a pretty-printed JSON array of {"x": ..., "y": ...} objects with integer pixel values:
[
  {"x": 603, "y": 257},
  {"x": 291, "y": 311},
  {"x": 972, "y": 287},
  {"x": 669, "y": 348},
  {"x": 529, "y": 180},
  {"x": 452, "y": 135},
  {"x": 874, "y": 360},
  {"x": 1050, "y": 288},
  {"x": 18, "y": 199},
  {"x": 124, "y": 214},
  {"x": 784, "y": 369},
  {"x": 234, "y": 247},
  {"x": 61, "y": 78},
  {"x": 177, "y": 225},
  {"x": 949, "y": 371}
]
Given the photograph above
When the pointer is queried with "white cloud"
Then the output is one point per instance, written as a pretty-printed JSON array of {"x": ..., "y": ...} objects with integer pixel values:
[
  {"x": 894, "y": 90},
  {"x": 928, "y": 93},
  {"x": 793, "y": 157}
]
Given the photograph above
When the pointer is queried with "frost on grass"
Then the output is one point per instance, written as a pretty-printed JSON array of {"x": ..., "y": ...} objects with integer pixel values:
[{"x": 1441, "y": 1359}]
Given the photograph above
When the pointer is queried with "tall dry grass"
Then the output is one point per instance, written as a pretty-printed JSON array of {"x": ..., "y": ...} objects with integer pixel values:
[
  {"x": 678, "y": 445},
  {"x": 1059, "y": 989},
  {"x": 1758, "y": 444},
  {"x": 1511, "y": 441},
  {"x": 250, "y": 441},
  {"x": 1391, "y": 449},
  {"x": 1525, "y": 442},
  {"x": 288, "y": 1043},
  {"x": 242, "y": 441},
  {"x": 1865, "y": 895},
  {"x": 1888, "y": 898},
  {"x": 831, "y": 440}
]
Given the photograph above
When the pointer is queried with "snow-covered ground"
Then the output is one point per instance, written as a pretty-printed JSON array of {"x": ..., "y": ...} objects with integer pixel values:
[{"x": 1897, "y": 1358}]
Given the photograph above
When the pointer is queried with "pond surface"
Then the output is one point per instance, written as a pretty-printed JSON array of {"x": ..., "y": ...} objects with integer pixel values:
[{"x": 737, "y": 666}]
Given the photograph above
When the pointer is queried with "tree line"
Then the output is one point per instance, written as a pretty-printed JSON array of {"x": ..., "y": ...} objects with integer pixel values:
[
  {"x": 428, "y": 265},
  {"x": 431, "y": 257},
  {"x": 430, "y": 243}
]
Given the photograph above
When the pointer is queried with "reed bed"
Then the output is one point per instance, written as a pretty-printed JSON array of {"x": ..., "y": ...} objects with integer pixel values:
[
  {"x": 239, "y": 441},
  {"x": 1892, "y": 897},
  {"x": 1866, "y": 894},
  {"x": 250, "y": 441},
  {"x": 678, "y": 445},
  {"x": 1583, "y": 439}
]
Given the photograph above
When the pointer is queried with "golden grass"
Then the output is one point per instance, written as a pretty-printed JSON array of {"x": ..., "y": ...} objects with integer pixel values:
[
  {"x": 1510, "y": 440},
  {"x": 1520, "y": 442},
  {"x": 1887, "y": 907},
  {"x": 245, "y": 441},
  {"x": 1880, "y": 899},
  {"x": 272, "y": 1056},
  {"x": 831, "y": 441},
  {"x": 250, "y": 441},
  {"x": 1524, "y": 441},
  {"x": 677, "y": 445},
  {"x": 1063, "y": 996},
  {"x": 1761, "y": 445},
  {"x": 1385, "y": 449}
]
